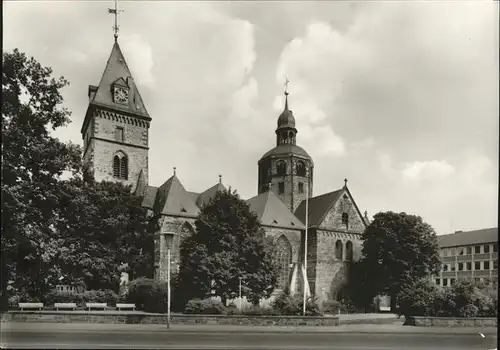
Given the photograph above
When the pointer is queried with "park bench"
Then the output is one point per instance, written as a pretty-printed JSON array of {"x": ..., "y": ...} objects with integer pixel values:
[
  {"x": 38, "y": 306},
  {"x": 125, "y": 306},
  {"x": 96, "y": 305},
  {"x": 71, "y": 306}
]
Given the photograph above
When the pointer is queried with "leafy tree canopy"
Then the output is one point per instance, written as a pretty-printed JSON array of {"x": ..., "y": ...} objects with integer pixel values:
[
  {"x": 32, "y": 163},
  {"x": 51, "y": 227},
  {"x": 228, "y": 244},
  {"x": 398, "y": 249}
]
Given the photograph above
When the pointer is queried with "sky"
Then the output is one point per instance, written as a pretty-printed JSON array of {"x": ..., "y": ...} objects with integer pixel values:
[{"x": 400, "y": 98}]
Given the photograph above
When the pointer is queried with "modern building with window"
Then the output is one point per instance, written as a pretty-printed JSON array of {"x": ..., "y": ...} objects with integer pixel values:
[{"x": 469, "y": 254}]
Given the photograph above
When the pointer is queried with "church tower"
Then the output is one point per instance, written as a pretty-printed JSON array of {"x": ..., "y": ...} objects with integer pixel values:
[
  {"x": 287, "y": 168},
  {"x": 116, "y": 126}
]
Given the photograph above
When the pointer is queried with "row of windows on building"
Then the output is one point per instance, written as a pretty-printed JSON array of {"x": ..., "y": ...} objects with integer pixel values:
[
  {"x": 467, "y": 266},
  {"x": 469, "y": 250},
  {"x": 300, "y": 168},
  {"x": 446, "y": 282}
]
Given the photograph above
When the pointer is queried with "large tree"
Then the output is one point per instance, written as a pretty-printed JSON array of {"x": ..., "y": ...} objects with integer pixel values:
[
  {"x": 398, "y": 249},
  {"x": 101, "y": 230},
  {"x": 51, "y": 227},
  {"x": 32, "y": 164},
  {"x": 228, "y": 244}
]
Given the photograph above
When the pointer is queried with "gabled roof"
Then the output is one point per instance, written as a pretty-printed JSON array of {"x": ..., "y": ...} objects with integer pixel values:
[
  {"x": 487, "y": 235},
  {"x": 271, "y": 211},
  {"x": 148, "y": 201},
  {"x": 318, "y": 207},
  {"x": 172, "y": 198},
  {"x": 140, "y": 184},
  {"x": 117, "y": 71},
  {"x": 206, "y": 196}
]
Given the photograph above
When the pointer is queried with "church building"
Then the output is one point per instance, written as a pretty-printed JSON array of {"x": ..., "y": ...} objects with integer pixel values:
[{"x": 115, "y": 134}]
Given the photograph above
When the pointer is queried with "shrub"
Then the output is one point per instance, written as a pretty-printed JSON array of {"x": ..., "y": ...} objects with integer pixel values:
[
  {"x": 331, "y": 307},
  {"x": 418, "y": 298},
  {"x": 256, "y": 310},
  {"x": 288, "y": 305},
  {"x": 97, "y": 296},
  {"x": 148, "y": 295},
  {"x": 205, "y": 307}
]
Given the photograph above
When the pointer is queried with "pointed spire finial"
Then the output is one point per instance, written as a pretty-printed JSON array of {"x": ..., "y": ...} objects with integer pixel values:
[
  {"x": 220, "y": 179},
  {"x": 115, "y": 12},
  {"x": 286, "y": 93},
  {"x": 345, "y": 182},
  {"x": 175, "y": 170}
]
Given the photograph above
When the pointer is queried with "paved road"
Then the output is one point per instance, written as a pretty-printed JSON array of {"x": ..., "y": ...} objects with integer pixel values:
[{"x": 76, "y": 336}]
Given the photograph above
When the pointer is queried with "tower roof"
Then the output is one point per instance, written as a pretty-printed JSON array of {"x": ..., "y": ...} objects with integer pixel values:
[
  {"x": 117, "y": 72},
  {"x": 286, "y": 149},
  {"x": 286, "y": 118}
]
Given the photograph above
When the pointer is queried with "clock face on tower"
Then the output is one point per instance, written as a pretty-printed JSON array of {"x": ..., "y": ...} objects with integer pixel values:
[{"x": 120, "y": 95}]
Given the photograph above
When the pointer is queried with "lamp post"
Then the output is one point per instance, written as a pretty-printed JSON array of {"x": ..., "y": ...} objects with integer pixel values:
[
  {"x": 169, "y": 240},
  {"x": 240, "y": 278},
  {"x": 305, "y": 246}
]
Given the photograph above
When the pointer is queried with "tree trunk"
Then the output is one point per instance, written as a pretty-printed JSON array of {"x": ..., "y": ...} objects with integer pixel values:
[
  {"x": 393, "y": 304},
  {"x": 223, "y": 300}
]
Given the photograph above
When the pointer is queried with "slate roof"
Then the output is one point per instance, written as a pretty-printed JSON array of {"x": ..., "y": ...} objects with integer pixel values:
[
  {"x": 285, "y": 150},
  {"x": 487, "y": 235},
  {"x": 318, "y": 207},
  {"x": 148, "y": 200},
  {"x": 172, "y": 198},
  {"x": 206, "y": 196},
  {"x": 271, "y": 211},
  {"x": 117, "y": 71}
]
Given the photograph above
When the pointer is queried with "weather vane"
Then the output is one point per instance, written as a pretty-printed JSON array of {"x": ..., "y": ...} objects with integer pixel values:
[
  {"x": 115, "y": 12},
  {"x": 286, "y": 86}
]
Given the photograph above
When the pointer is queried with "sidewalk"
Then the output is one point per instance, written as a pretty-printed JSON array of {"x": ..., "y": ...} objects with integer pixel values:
[{"x": 103, "y": 327}]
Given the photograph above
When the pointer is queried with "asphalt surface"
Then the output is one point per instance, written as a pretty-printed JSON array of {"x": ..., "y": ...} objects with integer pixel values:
[{"x": 101, "y": 336}]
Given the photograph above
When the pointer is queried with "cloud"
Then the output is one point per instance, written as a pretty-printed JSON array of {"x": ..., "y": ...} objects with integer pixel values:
[
  {"x": 139, "y": 55},
  {"x": 400, "y": 98},
  {"x": 428, "y": 170}
]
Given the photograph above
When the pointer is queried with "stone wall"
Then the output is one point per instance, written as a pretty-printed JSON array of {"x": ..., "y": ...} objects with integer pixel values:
[
  {"x": 452, "y": 321},
  {"x": 182, "y": 227},
  {"x": 144, "y": 318},
  {"x": 104, "y": 146},
  {"x": 291, "y": 197},
  {"x": 333, "y": 219},
  {"x": 293, "y": 236},
  {"x": 326, "y": 273}
]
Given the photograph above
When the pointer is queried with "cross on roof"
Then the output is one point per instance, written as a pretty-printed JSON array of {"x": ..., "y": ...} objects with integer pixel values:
[
  {"x": 345, "y": 182},
  {"x": 286, "y": 85}
]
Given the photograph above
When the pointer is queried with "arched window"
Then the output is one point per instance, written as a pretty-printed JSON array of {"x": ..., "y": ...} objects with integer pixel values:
[
  {"x": 348, "y": 251},
  {"x": 283, "y": 256},
  {"x": 301, "y": 168},
  {"x": 338, "y": 250},
  {"x": 345, "y": 219},
  {"x": 120, "y": 166},
  {"x": 281, "y": 168}
]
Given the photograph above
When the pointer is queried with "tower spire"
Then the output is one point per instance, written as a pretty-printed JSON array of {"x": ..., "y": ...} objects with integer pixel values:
[
  {"x": 115, "y": 12},
  {"x": 286, "y": 93}
]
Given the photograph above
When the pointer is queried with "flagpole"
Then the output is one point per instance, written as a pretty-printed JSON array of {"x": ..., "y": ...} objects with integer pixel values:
[{"x": 305, "y": 248}]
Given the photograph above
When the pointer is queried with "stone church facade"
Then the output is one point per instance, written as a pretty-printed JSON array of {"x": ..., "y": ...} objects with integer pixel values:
[{"x": 115, "y": 134}]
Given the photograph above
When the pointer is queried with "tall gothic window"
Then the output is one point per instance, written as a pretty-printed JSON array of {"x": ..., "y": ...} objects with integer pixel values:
[
  {"x": 301, "y": 168},
  {"x": 345, "y": 219},
  {"x": 283, "y": 258},
  {"x": 348, "y": 251},
  {"x": 281, "y": 168},
  {"x": 338, "y": 250},
  {"x": 120, "y": 166}
]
